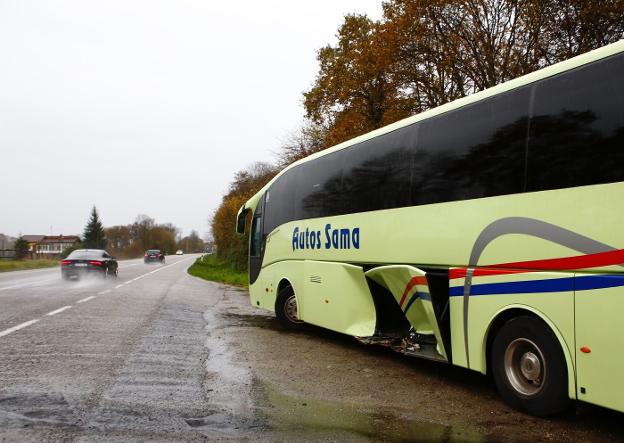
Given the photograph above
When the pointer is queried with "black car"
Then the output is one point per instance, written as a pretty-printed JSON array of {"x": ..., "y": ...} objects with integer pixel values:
[
  {"x": 82, "y": 262},
  {"x": 154, "y": 255}
]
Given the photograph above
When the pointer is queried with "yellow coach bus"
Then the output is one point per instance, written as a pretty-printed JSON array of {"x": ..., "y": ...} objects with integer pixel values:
[{"x": 487, "y": 233}]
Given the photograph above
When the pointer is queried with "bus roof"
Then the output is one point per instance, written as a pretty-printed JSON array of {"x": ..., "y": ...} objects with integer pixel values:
[{"x": 549, "y": 71}]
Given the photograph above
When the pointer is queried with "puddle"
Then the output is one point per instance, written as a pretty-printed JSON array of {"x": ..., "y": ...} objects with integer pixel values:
[
  {"x": 218, "y": 421},
  {"x": 245, "y": 405},
  {"x": 310, "y": 419},
  {"x": 259, "y": 321}
]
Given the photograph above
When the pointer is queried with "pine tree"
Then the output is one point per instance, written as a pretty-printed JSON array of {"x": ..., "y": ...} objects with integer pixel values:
[{"x": 94, "y": 236}]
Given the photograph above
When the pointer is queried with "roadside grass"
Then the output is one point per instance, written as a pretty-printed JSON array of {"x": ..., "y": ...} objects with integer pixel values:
[
  {"x": 17, "y": 265},
  {"x": 209, "y": 267}
]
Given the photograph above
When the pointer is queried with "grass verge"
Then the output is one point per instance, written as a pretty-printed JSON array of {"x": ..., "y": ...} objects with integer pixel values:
[
  {"x": 209, "y": 267},
  {"x": 17, "y": 265}
]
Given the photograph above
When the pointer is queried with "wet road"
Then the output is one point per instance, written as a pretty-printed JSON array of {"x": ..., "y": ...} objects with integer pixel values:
[{"x": 158, "y": 355}]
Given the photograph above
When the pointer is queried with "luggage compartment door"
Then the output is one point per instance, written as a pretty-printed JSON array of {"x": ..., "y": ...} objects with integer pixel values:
[{"x": 336, "y": 296}]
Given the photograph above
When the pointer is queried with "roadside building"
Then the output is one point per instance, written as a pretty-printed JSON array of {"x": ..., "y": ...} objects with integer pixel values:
[
  {"x": 33, "y": 241},
  {"x": 51, "y": 246}
]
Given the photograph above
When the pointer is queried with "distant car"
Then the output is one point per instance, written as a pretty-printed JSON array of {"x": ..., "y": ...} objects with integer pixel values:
[
  {"x": 179, "y": 252},
  {"x": 154, "y": 255},
  {"x": 83, "y": 262}
]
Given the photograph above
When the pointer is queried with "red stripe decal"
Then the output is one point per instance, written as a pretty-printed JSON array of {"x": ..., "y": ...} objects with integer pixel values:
[
  {"x": 608, "y": 258},
  {"x": 413, "y": 282}
]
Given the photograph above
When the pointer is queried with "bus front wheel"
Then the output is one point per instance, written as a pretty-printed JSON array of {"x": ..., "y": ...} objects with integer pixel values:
[
  {"x": 529, "y": 367},
  {"x": 286, "y": 309}
]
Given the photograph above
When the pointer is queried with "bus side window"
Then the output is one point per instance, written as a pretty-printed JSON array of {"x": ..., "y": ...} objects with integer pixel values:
[
  {"x": 377, "y": 172},
  {"x": 318, "y": 190},
  {"x": 255, "y": 245},
  {"x": 279, "y": 203},
  {"x": 473, "y": 152},
  {"x": 577, "y": 127}
]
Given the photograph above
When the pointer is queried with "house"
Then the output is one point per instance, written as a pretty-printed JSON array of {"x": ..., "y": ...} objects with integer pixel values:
[
  {"x": 50, "y": 245},
  {"x": 32, "y": 242}
]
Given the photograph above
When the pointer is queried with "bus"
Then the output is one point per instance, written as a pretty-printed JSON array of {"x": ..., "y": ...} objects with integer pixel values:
[{"x": 487, "y": 233}]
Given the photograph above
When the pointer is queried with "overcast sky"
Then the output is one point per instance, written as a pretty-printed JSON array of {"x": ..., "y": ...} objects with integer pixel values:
[{"x": 147, "y": 107}]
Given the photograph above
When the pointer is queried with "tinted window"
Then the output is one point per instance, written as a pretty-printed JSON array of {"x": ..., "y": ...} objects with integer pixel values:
[
  {"x": 476, "y": 151},
  {"x": 378, "y": 172},
  {"x": 318, "y": 189},
  {"x": 279, "y": 201},
  {"x": 84, "y": 255},
  {"x": 255, "y": 243},
  {"x": 577, "y": 128}
]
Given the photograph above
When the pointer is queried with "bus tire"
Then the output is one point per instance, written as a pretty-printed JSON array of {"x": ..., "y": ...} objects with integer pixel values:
[
  {"x": 529, "y": 367},
  {"x": 286, "y": 309}
]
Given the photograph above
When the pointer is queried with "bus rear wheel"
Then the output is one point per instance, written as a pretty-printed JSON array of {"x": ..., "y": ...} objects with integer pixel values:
[
  {"x": 286, "y": 309},
  {"x": 529, "y": 367}
]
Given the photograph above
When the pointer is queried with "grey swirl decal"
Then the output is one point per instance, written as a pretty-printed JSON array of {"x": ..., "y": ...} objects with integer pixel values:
[{"x": 527, "y": 226}]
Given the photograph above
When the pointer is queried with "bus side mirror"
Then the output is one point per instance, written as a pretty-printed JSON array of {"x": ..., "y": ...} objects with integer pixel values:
[{"x": 240, "y": 220}]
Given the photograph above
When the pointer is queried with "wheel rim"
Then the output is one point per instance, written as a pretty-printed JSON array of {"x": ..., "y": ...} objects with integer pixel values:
[
  {"x": 290, "y": 310},
  {"x": 525, "y": 367}
]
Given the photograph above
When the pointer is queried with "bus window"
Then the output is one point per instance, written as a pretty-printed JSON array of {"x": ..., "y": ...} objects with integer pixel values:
[
  {"x": 279, "y": 204},
  {"x": 318, "y": 190},
  {"x": 377, "y": 172},
  {"x": 475, "y": 151},
  {"x": 255, "y": 243},
  {"x": 577, "y": 128}
]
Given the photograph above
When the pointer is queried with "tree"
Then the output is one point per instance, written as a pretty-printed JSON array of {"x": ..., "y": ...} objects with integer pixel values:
[
  {"x": 119, "y": 240},
  {"x": 192, "y": 243},
  {"x": 230, "y": 246},
  {"x": 425, "y": 53},
  {"x": 21, "y": 248},
  {"x": 355, "y": 91},
  {"x": 140, "y": 232},
  {"x": 132, "y": 240},
  {"x": 252, "y": 178},
  {"x": 94, "y": 236},
  {"x": 161, "y": 238},
  {"x": 308, "y": 139}
]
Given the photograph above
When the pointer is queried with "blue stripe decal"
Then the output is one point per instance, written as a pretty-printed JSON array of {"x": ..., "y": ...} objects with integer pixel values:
[
  {"x": 590, "y": 282},
  {"x": 416, "y": 296},
  {"x": 567, "y": 284}
]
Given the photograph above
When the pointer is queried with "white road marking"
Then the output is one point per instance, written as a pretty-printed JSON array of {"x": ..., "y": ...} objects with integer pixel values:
[
  {"x": 64, "y": 308},
  {"x": 32, "y": 271},
  {"x": 18, "y": 327},
  {"x": 86, "y": 299},
  {"x": 12, "y": 287},
  {"x": 22, "y": 285}
]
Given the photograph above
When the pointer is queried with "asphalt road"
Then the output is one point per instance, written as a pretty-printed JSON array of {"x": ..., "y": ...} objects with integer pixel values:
[{"x": 158, "y": 355}]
